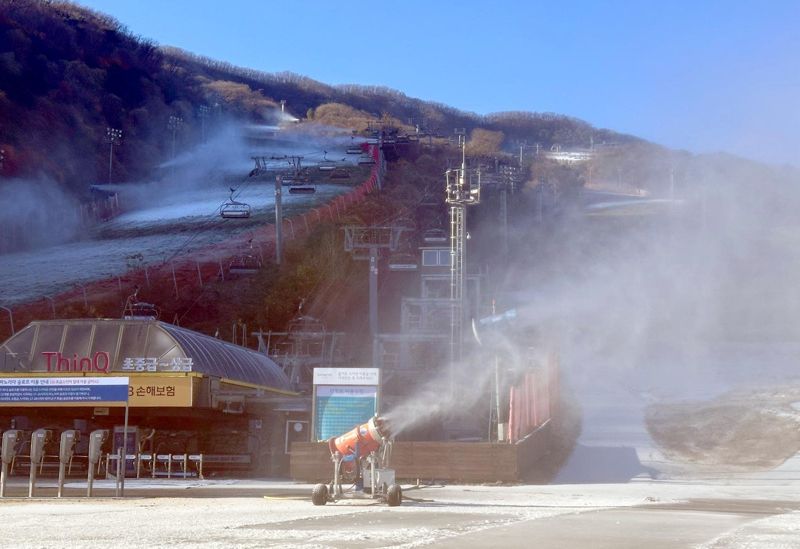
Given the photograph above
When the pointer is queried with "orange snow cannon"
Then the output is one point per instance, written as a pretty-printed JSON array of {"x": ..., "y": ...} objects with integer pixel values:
[
  {"x": 361, "y": 440},
  {"x": 361, "y": 456}
]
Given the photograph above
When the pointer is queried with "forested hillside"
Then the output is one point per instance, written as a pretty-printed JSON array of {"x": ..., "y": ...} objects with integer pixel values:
[{"x": 67, "y": 74}]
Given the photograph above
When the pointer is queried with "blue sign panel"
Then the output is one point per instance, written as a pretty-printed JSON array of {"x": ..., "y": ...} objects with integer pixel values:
[
  {"x": 45, "y": 391},
  {"x": 339, "y": 408}
]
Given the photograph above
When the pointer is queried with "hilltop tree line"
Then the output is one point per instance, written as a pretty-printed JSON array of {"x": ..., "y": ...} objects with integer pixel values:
[{"x": 68, "y": 73}]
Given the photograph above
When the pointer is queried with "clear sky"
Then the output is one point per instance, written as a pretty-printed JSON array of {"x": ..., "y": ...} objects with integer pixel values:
[{"x": 698, "y": 75}]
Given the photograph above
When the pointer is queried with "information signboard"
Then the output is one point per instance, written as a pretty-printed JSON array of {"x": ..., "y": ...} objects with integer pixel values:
[
  {"x": 152, "y": 391},
  {"x": 347, "y": 376},
  {"x": 64, "y": 391},
  {"x": 343, "y": 398}
]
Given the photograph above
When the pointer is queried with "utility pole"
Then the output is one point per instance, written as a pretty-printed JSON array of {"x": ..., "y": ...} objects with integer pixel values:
[
  {"x": 174, "y": 125},
  {"x": 113, "y": 135},
  {"x": 203, "y": 114},
  {"x": 509, "y": 177},
  {"x": 462, "y": 190}
]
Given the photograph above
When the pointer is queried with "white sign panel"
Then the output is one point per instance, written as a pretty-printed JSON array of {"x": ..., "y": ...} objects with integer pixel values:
[
  {"x": 62, "y": 390},
  {"x": 347, "y": 376}
]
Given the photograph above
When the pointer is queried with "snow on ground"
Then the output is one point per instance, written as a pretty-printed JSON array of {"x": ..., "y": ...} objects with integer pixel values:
[
  {"x": 180, "y": 223},
  {"x": 775, "y": 532},
  {"x": 429, "y": 514}
]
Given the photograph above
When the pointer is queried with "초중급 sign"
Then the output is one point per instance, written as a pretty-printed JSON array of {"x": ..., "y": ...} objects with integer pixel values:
[{"x": 64, "y": 391}]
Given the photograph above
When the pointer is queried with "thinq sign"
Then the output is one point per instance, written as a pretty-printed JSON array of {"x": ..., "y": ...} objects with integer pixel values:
[{"x": 63, "y": 391}]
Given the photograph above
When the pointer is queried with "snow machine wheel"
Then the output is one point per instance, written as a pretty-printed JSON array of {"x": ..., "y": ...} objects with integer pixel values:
[
  {"x": 394, "y": 495},
  {"x": 319, "y": 496}
]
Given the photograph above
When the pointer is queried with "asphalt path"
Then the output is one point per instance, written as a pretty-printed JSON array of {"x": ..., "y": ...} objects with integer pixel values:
[{"x": 641, "y": 513}]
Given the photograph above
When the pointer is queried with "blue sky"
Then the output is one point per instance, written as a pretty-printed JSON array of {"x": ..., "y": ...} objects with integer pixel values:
[{"x": 703, "y": 75}]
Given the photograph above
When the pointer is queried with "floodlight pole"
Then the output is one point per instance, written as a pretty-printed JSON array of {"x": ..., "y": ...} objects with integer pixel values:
[
  {"x": 461, "y": 192},
  {"x": 113, "y": 135},
  {"x": 174, "y": 124}
]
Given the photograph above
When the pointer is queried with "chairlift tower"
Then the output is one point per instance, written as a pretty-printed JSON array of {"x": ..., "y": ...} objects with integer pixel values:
[
  {"x": 362, "y": 240},
  {"x": 463, "y": 189}
]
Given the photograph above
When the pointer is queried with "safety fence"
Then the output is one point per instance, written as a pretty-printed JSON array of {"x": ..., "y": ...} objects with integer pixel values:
[
  {"x": 183, "y": 277},
  {"x": 533, "y": 399}
]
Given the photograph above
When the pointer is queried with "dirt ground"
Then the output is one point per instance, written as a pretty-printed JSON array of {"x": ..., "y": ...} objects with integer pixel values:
[{"x": 755, "y": 430}]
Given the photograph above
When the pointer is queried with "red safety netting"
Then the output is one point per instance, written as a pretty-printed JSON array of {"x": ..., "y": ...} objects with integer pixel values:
[
  {"x": 532, "y": 399},
  {"x": 187, "y": 274}
]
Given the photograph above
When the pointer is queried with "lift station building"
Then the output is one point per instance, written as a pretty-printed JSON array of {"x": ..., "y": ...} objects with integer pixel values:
[{"x": 189, "y": 393}]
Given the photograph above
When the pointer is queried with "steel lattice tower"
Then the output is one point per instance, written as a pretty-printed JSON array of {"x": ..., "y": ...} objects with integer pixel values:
[{"x": 463, "y": 189}]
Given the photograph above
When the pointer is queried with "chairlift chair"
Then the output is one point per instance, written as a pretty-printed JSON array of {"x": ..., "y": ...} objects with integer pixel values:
[
  {"x": 302, "y": 188},
  {"x": 403, "y": 262},
  {"x": 340, "y": 173},
  {"x": 306, "y": 324},
  {"x": 435, "y": 236},
  {"x": 295, "y": 177},
  {"x": 327, "y": 165},
  {"x": 139, "y": 310},
  {"x": 244, "y": 264},
  {"x": 366, "y": 160},
  {"x": 233, "y": 209},
  {"x": 355, "y": 148}
]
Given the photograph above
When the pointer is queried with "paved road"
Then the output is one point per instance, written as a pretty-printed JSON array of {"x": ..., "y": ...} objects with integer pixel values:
[
  {"x": 642, "y": 513},
  {"x": 717, "y": 523}
]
